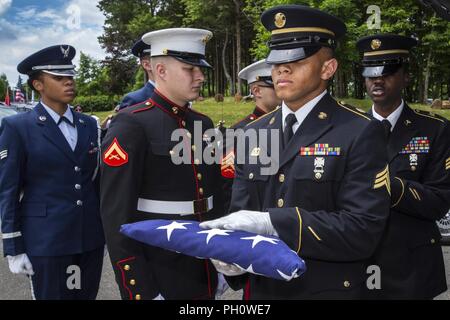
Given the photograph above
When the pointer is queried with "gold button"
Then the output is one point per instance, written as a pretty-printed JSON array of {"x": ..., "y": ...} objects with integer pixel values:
[
  {"x": 172, "y": 152},
  {"x": 251, "y": 176},
  {"x": 433, "y": 241},
  {"x": 133, "y": 282},
  {"x": 189, "y": 135},
  {"x": 175, "y": 110},
  {"x": 138, "y": 297},
  {"x": 413, "y": 168},
  {"x": 194, "y": 148},
  {"x": 199, "y": 176},
  {"x": 200, "y": 191},
  {"x": 282, "y": 177},
  {"x": 126, "y": 268},
  {"x": 183, "y": 123},
  {"x": 280, "y": 203},
  {"x": 197, "y": 162},
  {"x": 318, "y": 176},
  {"x": 347, "y": 284}
]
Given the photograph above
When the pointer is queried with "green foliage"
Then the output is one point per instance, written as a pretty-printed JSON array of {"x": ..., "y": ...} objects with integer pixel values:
[
  {"x": 97, "y": 103},
  {"x": 3, "y": 85}
]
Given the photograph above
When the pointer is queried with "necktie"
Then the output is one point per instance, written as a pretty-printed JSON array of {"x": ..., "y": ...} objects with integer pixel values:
[
  {"x": 291, "y": 119},
  {"x": 387, "y": 127},
  {"x": 64, "y": 119}
]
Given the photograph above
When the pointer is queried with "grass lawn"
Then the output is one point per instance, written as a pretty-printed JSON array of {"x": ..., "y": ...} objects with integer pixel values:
[{"x": 233, "y": 112}]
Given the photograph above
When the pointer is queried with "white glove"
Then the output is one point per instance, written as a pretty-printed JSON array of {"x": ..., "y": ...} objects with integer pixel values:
[
  {"x": 251, "y": 221},
  {"x": 227, "y": 269},
  {"x": 20, "y": 264},
  {"x": 222, "y": 286}
]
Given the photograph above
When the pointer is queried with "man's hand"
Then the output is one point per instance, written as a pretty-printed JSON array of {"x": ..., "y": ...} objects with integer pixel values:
[
  {"x": 20, "y": 264},
  {"x": 250, "y": 221},
  {"x": 227, "y": 269}
]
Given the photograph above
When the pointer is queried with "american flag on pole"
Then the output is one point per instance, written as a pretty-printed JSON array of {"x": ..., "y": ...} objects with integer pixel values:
[
  {"x": 261, "y": 255},
  {"x": 20, "y": 97}
]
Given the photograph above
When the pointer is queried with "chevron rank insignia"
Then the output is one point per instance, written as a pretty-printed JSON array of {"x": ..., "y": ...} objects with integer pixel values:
[
  {"x": 447, "y": 164},
  {"x": 227, "y": 166},
  {"x": 3, "y": 154},
  {"x": 115, "y": 155},
  {"x": 382, "y": 179}
]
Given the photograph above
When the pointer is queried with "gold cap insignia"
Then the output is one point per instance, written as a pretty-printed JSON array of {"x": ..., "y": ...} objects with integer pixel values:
[
  {"x": 375, "y": 44},
  {"x": 280, "y": 20},
  {"x": 165, "y": 52},
  {"x": 206, "y": 38}
]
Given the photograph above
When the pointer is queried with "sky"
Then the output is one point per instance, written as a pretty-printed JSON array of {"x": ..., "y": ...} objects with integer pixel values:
[{"x": 27, "y": 26}]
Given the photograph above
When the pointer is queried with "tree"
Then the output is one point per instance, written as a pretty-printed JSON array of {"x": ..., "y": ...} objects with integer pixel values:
[{"x": 4, "y": 84}]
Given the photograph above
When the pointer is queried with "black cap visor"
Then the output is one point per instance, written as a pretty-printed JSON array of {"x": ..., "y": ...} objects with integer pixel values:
[
  {"x": 61, "y": 73},
  {"x": 291, "y": 55},
  {"x": 190, "y": 58},
  {"x": 379, "y": 71}
]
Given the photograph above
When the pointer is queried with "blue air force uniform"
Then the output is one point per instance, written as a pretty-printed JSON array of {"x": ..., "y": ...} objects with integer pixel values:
[
  {"x": 140, "y": 50},
  {"x": 329, "y": 198},
  {"x": 49, "y": 197},
  {"x": 418, "y": 149}
]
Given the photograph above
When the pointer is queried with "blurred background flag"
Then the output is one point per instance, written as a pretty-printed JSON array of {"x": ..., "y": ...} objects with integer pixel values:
[
  {"x": 7, "y": 99},
  {"x": 261, "y": 255},
  {"x": 20, "y": 97}
]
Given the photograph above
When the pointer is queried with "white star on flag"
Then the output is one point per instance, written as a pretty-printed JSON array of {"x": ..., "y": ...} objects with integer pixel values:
[
  {"x": 214, "y": 232},
  {"x": 249, "y": 269},
  {"x": 173, "y": 226},
  {"x": 286, "y": 277},
  {"x": 257, "y": 239}
]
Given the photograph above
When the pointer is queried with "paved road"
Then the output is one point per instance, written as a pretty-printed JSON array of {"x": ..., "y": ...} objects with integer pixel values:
[{"x": 18, "y": 288}]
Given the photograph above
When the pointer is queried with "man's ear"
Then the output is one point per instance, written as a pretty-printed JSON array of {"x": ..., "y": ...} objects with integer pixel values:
[
  {"x": 160, "y": 70},
  {"x": 329, "y": 68},
  {"x": 256, "y": 91},
  {"x": 146, "y": 64}
]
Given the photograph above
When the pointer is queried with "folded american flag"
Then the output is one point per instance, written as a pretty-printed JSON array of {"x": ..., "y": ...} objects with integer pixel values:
[{"x": 261, "y": 255}]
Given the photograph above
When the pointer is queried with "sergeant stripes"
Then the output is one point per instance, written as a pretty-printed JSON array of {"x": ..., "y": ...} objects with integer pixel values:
[
  {"x": 382, "y": 179},
  {"x": 447, "y": 164},
  {"x": 3, "y": 154},
  {"x": 415, "y": 194}
]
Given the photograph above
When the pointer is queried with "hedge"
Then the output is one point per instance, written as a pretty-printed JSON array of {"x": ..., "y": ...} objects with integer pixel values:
[{"x": 97, "y": 103}]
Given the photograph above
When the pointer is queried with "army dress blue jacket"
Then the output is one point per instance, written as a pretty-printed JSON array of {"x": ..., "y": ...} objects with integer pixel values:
[{"x": 329, "y": 200}]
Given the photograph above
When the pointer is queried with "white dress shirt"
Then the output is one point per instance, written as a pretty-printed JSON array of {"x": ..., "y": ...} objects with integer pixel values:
[
  {"x": 393, "y": 117},
  {"x": 301, "y": 113},
  {"x": 69, "y": 132}
]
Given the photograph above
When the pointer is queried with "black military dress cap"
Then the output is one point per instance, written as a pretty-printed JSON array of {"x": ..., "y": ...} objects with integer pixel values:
[
  {"x": 384, "y": 54},
  {"x": 55, "y": 60},
  {"x": 140, "y": 49},
  {"x": 299, "y": 32}
]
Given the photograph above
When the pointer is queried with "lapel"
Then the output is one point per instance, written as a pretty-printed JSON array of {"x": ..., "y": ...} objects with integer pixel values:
[
  {"x": 83, "y": 133},
  {"x": 52, "y": 132},
  {"x": 275, "y": 124},
  {"x": 403, "y": 132},
  {"x": 311, "y": 129}
]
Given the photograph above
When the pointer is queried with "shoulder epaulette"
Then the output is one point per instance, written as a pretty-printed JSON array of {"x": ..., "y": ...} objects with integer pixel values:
[
  {"x": 264, "y": 116},
  {"x": 354, "y": 110},
  {"x": 145, "y": 106},
  {"x": 430, "y": 115}
]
